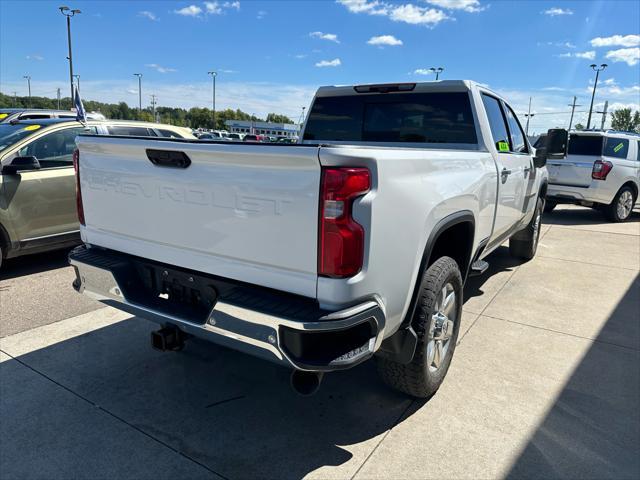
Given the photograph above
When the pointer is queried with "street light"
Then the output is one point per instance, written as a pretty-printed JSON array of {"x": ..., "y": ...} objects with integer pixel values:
[
  {"x": 77, "y": 77},
  {"x": 213, "y": 97},
  {"x": 67, "y": 12},
  {"x": 139, "y": 75},
  {"x": 28, "y": 77},
  {"x": 596, "y": 69},
  {"x": 437, "y": 71}
]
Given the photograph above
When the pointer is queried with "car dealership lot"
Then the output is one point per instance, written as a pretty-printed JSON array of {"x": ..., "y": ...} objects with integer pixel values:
[{"x": 545, "y": 382}]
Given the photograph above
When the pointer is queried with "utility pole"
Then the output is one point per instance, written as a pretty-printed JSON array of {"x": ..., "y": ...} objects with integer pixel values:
[
  {"x": 67, "y": 12},
  {"x": 573, "y": 109},
  {"x": 153, "y": 105},
  {"x": 213, "y": 74},
  {"x": 28, "y": 77},
  {"x": 301, "y": 119},
  {"x": 139, "y": 75},
  {"x": 15, "y": 99},
  {"x": 528, "y": 115},
  {"x": 596, "y": 69},
  {"x": 58, "y": 94},
  {"x": 604, "y": 114}
]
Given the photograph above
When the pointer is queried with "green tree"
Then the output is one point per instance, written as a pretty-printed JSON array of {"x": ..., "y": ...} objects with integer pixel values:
[
  {"x": 625, "y": 120},
  {"x": 275, "y": 118}
]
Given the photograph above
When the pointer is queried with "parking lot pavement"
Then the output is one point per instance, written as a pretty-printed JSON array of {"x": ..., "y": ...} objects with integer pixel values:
[{"x": 545, "y": 382}]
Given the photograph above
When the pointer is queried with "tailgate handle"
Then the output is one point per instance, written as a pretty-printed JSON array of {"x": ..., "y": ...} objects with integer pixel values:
[{"x": 168, "y": 158}]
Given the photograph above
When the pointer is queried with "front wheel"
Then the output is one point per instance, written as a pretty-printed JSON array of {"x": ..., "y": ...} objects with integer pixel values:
[
  {"x": 620, "y": 209},
  {"x": 524, "y": 243},
  {"x": 436, "y": 323}
]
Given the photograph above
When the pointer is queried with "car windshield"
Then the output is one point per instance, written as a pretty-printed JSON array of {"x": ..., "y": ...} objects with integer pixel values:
[
  {"x": 11, "y": 134},
  {"x": 590, "y": 145}
]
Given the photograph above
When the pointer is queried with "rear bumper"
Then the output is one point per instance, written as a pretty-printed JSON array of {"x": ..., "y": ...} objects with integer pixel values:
[
  {"x": 597, "y": 192},
  {"x": 287, "y": 329}
]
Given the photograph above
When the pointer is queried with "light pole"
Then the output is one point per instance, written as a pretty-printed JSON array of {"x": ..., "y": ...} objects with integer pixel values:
[
  {"x": 15, "y": 99},
  {"x": 528, "y": 115},
  {"x": 213, "y": 74},
  {"x": 67, "y": 12},
  {"x": 28, "y": 77},
  {"x": 596, "y": 69},
  {"x": 77, "y": 77},
  {"x": 139, "y": 75},
  {"x": 437, "y": 71}
]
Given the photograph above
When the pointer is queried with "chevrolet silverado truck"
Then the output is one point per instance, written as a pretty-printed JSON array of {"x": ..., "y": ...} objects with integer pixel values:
[{"x": 354, "y": 243}]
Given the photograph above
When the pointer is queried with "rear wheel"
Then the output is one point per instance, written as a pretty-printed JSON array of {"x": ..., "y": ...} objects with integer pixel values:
[
  {"x": 524, "y": 244},
  {"x": 436, "y": 322},
  {"x": 620, "y": 209}
]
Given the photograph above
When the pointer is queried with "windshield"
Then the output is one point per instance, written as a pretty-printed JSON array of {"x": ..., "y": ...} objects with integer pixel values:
[
  {"x": 590, "y": 145},
  {"x": 408, "y": 117},
  {"x": 11, "y": 134}
]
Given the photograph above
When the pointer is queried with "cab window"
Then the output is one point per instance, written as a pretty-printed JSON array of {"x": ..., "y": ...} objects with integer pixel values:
[
  {"x": 497, "y": 123},
  {"x": 518, "y": 142},
  {"x": 54, "y": 149},
  {"x": 616, "y": 147},
  {"x": 131, "y": 131}
]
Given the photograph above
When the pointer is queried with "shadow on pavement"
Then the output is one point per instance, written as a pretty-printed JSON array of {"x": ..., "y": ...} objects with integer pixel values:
[
  {"x": 581, "y": 216},
  {"x": 232, "y": 413},
  {"x": 30, "y": 264},
  {"x": 593, "y": 428},
  {"x": 499, "y": 261}
]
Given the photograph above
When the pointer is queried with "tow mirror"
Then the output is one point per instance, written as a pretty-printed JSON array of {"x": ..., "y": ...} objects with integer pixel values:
[
  {"x": 540, "y": 160},
  {"x": 557, "y": 141},
  {"x": 21, "y": 163}
]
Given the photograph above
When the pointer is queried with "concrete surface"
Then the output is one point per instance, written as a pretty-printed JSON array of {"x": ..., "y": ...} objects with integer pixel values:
[{"x": 545, "y": 383}]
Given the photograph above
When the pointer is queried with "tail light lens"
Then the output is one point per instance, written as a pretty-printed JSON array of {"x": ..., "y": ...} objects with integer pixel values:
[
  {"x": 76, "y": 167},
  {"x": 601, "y": 169},
  {"x": 341, "y": 238}
]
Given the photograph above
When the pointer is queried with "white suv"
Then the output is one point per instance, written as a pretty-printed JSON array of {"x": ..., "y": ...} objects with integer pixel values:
[{"x": 600, "y": 170}]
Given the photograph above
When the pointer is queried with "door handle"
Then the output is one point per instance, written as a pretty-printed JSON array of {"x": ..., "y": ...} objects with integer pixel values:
[
  {"x": 505, "y": 172},
  {"x": 527, "y": 170}
]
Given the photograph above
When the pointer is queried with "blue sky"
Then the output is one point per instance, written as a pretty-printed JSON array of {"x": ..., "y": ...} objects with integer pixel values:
[{"x": 272, "y": 55}]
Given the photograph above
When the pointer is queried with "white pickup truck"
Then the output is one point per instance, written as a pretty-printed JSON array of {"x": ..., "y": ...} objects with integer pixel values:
[{"x": 318, "y": 256}]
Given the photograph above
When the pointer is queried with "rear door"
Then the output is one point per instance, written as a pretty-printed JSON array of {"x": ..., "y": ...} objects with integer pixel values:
[
  {"x": 513, "y": 167},
  {"x": 575, "y": 169}
]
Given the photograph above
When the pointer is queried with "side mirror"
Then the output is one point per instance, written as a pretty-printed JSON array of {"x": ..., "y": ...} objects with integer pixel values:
[
  {"x": 540, "y": 160},
  {"x": 21, "y": 163},
  {"x": 557, "y": 142}
]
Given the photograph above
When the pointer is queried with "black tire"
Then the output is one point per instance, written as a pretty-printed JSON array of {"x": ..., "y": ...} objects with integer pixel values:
[
  {"x": 419, "y": 378},
  {"x": 549, "y": 205},
  {"x": 524, "y": 243},
  {"x": 612, "y": 211}
]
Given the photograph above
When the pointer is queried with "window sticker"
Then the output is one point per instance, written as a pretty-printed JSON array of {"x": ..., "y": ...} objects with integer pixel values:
[
  {"x": 618, "y": 147},
  {"x": 503, "y": 146},
  {"x": 31, "y": 127}
]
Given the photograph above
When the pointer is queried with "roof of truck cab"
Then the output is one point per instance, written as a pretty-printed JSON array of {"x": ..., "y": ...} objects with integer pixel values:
[{"x": 440, "y": 85}]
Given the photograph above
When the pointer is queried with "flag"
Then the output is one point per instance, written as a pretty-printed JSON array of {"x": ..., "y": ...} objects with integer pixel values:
[{"x": 81, "y": 115}]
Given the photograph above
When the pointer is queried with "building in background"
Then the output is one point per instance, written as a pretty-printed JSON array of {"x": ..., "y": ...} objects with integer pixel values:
[{"x": 263, "y": 128}]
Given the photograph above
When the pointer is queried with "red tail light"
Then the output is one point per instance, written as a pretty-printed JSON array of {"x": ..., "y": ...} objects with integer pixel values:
[
  {"x": 341, "y": 238},
  {"x": 601, "y": 169},
  {"x": 76, "y": 167}
]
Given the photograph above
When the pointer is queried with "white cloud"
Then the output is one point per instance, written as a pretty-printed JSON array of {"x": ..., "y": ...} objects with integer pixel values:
[
  {"x": 471, "y": 6},
  {"x": 332, "y": 37},
  {"x": 631, "y": 56},
  {"x": 235, "y": 5},
  {"x": 555, "y": 11},
  {"x": 213, "y": 8},
  {"x": 300, "y": 56},
  {"x": 160, "y": 68},
  {"x": 589, "y": 55},
  {"x": 190, "y": 11},
  {"x": 329, "y": 63},
  {"x": 422, "y": 71},
  {"x": 406, "y": 13},
  {"x": 35, "y": 57},
  {"x": 382, "y": 40},
  {"x": 148, "y": 15},
  {"x": 616, "y": 41},
  {"x": 261, "y": 14},
  {"x": 609, "y": 81}
]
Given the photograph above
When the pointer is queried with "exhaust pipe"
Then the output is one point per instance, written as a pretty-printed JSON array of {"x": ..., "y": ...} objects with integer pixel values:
[
  {"x": 306, "y": 383},
  {"x": 168, "y": 338}
]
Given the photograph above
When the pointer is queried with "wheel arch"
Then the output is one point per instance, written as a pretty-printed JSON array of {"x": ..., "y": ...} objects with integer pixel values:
[{"x": 633, "y": 185}]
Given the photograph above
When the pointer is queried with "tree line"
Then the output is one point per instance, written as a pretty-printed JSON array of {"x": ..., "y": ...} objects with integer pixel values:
[{"x": 194, "y": 117}]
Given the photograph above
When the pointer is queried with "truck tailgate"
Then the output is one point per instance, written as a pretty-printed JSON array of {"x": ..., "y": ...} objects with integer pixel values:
[
  {"x": 245, "y": 212},
  {"x": 574, "y": 170}
]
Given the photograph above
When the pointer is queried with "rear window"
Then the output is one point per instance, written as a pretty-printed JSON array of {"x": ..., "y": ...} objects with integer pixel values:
[
  {"x": 616, "y": 147},
  {"x": 585, "y": 145},
  {"x": 405, "y": 118},
  {"x": 131, "y": 131}
]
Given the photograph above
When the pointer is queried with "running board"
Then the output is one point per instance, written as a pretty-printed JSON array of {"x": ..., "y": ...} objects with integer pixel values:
[{"x": 478, "y": 268}]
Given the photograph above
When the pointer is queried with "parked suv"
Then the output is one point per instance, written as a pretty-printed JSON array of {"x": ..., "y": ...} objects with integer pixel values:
[
  {"x": 12, "y": 114},
  {"x": 600, "y": 170},
  {"x": 37, "y": 187}
]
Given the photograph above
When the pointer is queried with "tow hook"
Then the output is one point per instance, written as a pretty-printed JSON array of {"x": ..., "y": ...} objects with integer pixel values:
[
  {"x": 306, "y": 383},
  {"x": 168, "y": 338}
]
